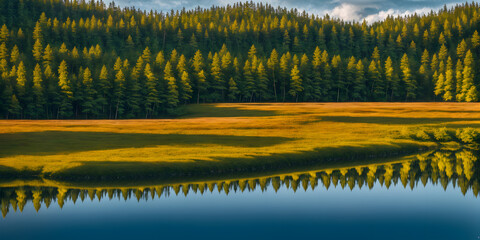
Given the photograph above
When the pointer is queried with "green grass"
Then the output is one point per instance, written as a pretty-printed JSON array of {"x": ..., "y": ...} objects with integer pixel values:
[
  {"x": 65, "y": 142},
  {"x": 223, "y": 139}
]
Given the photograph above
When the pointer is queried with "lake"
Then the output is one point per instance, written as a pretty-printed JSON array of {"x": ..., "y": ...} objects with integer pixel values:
[{"x": 429, "y": 196}]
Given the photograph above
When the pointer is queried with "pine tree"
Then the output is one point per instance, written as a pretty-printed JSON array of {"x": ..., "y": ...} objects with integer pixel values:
[
  {"x": 185, "y": 86},
  {"x": 284, "y": 73},
  {"x": 104, "y": 87},
  {"x": 317, "y": 80},
  {"x": 272, "y": 65},
  {"x": 262, "y": 83},
  {"x": 37, "y": 50},
  {"x": 351, "y": 75},
  {"x": 459, "y": 78},
  {"x": 15, "y": 55},
  {"x": 89, "y": 105},
  {"x": 201, "y": 84},
  {"x": 407, "y": 78},
  {"x": 172, "y": 92},
  {"x": 232, "y": 90},
  {"x": 218, "y": 82},
  {"x": 475, "y": 40},
  {"x": 198, "y": 65},
  {"x": 390, "y": 79},
  {"x": 448, "y": 86},
  {"x": 63, "y": 77},
  {"x": 440, "y": 85},
  {"x": 359, "y": 91},
  {"x": 47, "y": 56},
  {"x": 118, "y": 93},
  {"x": 377, "y": 84},
  {"x": 4, "y": 34},
  {"x": 21, "y": 77},
  {"x": 3, "y": 52},
  {"x": 339, "y": 75},
  {"x": 469, "y": 90},
  {"x": 462, "y": 49},
  {"x": 15, "y": 109},
  {"x": 306, "y": 75},
  {"x": 249, "y": 80},
  {"x": 38, "y": 91},
  {"x": 295, "y": 83},
  {"x": 153, "y": 96}
]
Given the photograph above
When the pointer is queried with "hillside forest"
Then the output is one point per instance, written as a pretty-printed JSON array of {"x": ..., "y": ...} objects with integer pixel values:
[{"x": 86, "y": 59}]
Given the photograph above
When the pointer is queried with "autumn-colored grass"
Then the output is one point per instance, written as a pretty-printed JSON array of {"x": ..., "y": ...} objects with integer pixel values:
[{"x": 222, "y": 136}]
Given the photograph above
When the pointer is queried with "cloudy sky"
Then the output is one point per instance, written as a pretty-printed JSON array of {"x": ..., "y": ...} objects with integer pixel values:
[{"x": 371, "y": 10}]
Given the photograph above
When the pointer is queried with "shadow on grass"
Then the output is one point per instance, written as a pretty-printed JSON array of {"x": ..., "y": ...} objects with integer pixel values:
[
  {"x": 118, "y": 173},
  {"x": 58, "y": 142},
  {"x": 392, "y": 120},
  {"x": 7, "y": 173},
  {"x": 211, "y": 110}
]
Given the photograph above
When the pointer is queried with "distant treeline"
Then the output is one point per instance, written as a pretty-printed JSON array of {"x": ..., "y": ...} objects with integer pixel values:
[{"x": 79, "y": 59}]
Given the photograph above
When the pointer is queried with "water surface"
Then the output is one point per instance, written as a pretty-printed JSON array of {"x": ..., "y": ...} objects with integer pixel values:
[{"x": 431, "y": 197}]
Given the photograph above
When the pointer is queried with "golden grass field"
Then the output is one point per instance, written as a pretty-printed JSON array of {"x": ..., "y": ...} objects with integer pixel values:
[{"x": 213, "y": 136}]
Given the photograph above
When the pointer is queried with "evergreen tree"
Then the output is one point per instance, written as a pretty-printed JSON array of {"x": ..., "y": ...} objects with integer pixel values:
[
  {"x": 459, "y": 78},
  {"x": 172, "y": 92},
  {"x": 218, "y": 81},
  {"x": 153, "y": 96},
  {"x": 118, "y": 93},
  {"x": 359, "y": 91},
  {"x": 262, "y": 83},
  {"x": 89, "y": 105},
  {"x": 186, "y": 89},
  {"x": 410, "y": 83},
  {"x": 232, "y": 89},
  {"x": 391, "y": 79},
  {"x": 273, "y": 66},
  {"x": 14, "y": 109},
  {"x": 295, "y": 83},
  {"x": 249, "y": 81},
  {"x": 317, "y": 80},
  {"x": 377, "y": 88},
  {"x": 38, "y": 91},
  {"x": 37, "y": 50},
  {"x": 469, "y": 90}
]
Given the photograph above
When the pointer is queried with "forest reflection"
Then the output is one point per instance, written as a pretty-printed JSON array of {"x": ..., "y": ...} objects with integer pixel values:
[{"x": 448, "y": 168}]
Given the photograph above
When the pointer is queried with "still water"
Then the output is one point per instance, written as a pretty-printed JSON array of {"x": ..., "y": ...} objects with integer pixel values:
[{"x": 433, "y": 196}]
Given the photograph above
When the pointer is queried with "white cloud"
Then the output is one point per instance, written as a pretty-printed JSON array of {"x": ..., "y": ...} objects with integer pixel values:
[
  {"x": 353, "y": 12},
  {"x": 391, "y": 12},
  {"x": 347, "y": 12}
]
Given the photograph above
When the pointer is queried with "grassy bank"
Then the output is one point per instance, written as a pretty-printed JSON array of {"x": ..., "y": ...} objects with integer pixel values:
[{"x": 223, "y": 138}]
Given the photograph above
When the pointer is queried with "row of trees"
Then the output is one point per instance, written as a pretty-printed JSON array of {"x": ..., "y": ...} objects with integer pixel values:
[
  {"x": 446, "y": 167},
  {"x": 86, "y": 60}
]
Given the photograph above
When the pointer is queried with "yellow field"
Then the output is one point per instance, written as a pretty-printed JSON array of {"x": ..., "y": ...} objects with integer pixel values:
[{"x": 224, "y": 134}]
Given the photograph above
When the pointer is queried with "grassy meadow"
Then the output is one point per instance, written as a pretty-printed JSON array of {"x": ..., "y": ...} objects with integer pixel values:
[{"x": 214, "y": 139}]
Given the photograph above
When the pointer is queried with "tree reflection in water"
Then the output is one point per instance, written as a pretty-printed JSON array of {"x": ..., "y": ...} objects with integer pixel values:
[{"x": 458, "y": 168}]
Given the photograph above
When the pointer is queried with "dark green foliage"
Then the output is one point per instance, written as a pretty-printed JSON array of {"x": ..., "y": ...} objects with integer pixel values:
[{"x": 82, "y": 59}]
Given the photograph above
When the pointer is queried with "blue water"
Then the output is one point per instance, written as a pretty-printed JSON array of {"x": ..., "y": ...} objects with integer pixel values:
[
  {"x": 446, "y": 207},
  {"x": 378, "y": 213}
]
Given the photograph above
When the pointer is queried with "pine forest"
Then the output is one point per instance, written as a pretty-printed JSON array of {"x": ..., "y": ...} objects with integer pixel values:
[{"x": 82, "y": 59}]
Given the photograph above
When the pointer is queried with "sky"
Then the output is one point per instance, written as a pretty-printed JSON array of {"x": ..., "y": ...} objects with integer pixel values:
[{"x": 348, "y": 10}]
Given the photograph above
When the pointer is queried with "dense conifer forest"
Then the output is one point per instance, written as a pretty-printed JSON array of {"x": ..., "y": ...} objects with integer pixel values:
[{"x": 86, "y": 59}]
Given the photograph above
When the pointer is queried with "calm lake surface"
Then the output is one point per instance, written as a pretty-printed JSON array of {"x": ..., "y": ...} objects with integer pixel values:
[{"x": 430, "y": 198}]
